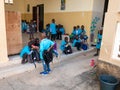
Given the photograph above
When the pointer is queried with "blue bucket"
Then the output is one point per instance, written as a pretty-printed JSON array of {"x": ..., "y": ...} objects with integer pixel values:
[{"x": 108, "y": 82}]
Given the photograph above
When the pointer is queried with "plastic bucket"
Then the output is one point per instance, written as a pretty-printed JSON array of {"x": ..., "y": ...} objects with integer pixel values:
[{"x": 108, "y": 82}]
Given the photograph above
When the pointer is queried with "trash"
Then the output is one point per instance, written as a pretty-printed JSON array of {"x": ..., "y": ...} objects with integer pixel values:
[{"x": 92, "y": 63}]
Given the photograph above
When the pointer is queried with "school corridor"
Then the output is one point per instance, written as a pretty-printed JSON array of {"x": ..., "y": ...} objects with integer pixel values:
[{"x": 69, "y": 72}]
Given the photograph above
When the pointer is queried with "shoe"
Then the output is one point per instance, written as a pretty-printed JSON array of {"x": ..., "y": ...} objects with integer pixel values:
[
  {"x": 96, "y": 54},
  {"x": 49, "y": 71},
  {"x": 44, "y": 73}
]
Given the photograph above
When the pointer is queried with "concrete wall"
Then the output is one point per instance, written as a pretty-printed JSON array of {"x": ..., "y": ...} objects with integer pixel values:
[
  {"x": 70, "y": 19},
  {"x": 71, "y": 5},
  {"x": 21, "y": 6},
  {"x": 18, "y": 5},
  {"x": 3, "y": 42},
  {"x": 77, "y": 12},
  {"x": 109, "y": 33},
  {"x": 97, "y": 12},
  {"x": 98, "y": 7}
]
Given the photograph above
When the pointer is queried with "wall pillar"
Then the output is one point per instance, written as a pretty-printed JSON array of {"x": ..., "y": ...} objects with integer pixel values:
[{"x": 3, "y": 41}]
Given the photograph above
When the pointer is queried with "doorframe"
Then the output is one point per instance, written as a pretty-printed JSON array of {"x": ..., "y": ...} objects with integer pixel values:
[{"x": 104, "y": 11}]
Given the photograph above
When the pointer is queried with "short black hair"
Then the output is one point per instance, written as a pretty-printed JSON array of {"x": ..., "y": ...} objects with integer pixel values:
[{"x": 30, "y": 43}]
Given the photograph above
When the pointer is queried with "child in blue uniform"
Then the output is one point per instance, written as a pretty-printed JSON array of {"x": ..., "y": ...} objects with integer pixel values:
[
  {"x": 74, "y": 30},
  {"x": 72, "y": 36},
  {"x": 45, "y": 44},
  {"x": 83, "y": 32},
  {"x": 24, "y": 26},
  {"x": 98, "y": 45},
  {"x": 77, "y": 43},
  {"x": 53, "y": 29},
  {"x": 62, "y": 32},
  {"x": 25, "y": 52},
  {"x": 78, "y": 31},
  {"x": 48, "y": 30},
  {"x": 65, "y": 46}
]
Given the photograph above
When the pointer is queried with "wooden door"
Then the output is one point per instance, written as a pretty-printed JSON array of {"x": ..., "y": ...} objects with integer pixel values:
[{"x": 13, "y": 31}]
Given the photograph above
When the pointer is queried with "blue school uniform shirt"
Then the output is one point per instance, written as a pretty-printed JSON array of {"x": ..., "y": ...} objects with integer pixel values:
[
  {"x": 26, "y": 50},
  {"x": 53, "y": 28},
  {"x": 99, "y": 36},
  {"x": 45, "y": 44},
  {"x": 73, "y": 32},
  {"x": 47, "y": 29},
  {"x": 83, "y": 32},
  {"x": 23, "y": 26},
  {"x": 74, "y": 42},
  {"x": 62, "y": 45},
  {"x": 62, "y": 30},
  {"x": 98, "y": 45},
  {"x": 78, "y": 32}
]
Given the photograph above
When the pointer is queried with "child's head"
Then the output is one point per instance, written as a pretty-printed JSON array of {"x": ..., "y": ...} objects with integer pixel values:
[
  {"x": 82, "y": 27},
  {"x": 43, "y": 35},
  {"x": 61, "y": 26},
  {"x": 30, "y": 43},
  {"x": 74, "y": 28},
  {"x": 36, "y": 40},
  {"x": 66, "y": 39},
  {"x": 53, "y": 20},
  {"x": 100, "y": 32},
  {"x": 78, "y": 26}
]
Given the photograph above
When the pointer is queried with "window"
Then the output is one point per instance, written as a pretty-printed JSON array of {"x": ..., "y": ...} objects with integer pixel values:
[
  {"x": 9, "y": 1},
  {"x": 116, "y": 48}
]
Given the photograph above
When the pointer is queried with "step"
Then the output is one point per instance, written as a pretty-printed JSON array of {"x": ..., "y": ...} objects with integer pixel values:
[{"x": 14, "y": 66}]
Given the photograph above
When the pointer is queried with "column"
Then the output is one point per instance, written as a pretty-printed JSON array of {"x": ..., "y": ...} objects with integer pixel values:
[{"x": 3, "y": 41}]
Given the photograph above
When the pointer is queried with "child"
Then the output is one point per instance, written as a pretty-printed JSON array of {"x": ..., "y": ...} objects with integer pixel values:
[
  {"x": 84, "y": 45},
  {"x": 53, "y": 30},
  {"x": 72, "y": 36},
  {"x": 98, "y": 45},
  {"x": 35, "y": 49},
  {"x": 65, "y": 46},
  {"x": 77, "y": 43},
  {"x": 62, "y": 30},
  {"x": 48, "y": 30},
  {"x": 83, "y": 32},
  {"x": 25, "y": 52},
  {"x": 78, "y": 31}
]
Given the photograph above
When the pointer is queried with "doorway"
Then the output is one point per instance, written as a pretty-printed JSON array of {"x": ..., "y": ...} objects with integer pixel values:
[{"x": 38, "y": 15}]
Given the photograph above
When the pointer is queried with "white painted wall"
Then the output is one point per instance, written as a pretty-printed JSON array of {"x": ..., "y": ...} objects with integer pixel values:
[
  {"x": 71, "y": 5},
  {"x": 3, "y": 42},
  {"x": 97, "y": 11},
  {"x": 98, "y": 5}
]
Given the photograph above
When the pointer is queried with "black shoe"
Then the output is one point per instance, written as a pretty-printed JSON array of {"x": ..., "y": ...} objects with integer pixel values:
[{"x": 96, "y": 54}]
